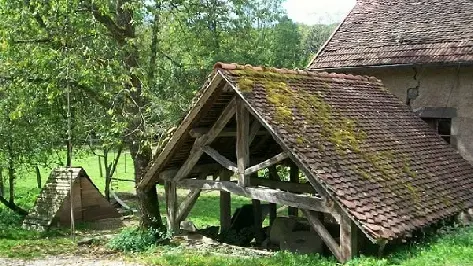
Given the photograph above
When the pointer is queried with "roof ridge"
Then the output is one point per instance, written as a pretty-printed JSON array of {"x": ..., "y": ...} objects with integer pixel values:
[{"x": 321, "y": 74}]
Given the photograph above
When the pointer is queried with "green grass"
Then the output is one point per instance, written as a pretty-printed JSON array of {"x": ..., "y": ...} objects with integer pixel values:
[{"x": 449, "y": 248}]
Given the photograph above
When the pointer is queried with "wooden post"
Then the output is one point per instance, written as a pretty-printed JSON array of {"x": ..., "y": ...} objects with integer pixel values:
[
  {"x": 171, "y": 206},
  {"x": 348, "y": 238},
  {"x": 293, "y": 178},
  {"x": 273, "y": 207},
  {"x": 242, "y": 147},
  {"x": 258, "y": 223},
  {"x": 324, "y": 234},
  {"x": 225, "y": 205}
]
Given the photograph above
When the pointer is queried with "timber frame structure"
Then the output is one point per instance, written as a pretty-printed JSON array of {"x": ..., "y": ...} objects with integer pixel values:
[{"x": 326, "y": 129}]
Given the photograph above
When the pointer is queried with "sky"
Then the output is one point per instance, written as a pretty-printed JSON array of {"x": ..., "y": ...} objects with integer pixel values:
[{"x": 318, "y": 11}]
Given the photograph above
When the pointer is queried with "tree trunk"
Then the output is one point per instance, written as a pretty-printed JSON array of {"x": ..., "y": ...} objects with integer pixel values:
[
  {"x": 38, "y": 176},
  {"x": 11, "y": 174},
  {"x": 2, "y": 184},
  {"x": 149, "y": 202},
  {"x": 123, "y": 29},
  {"x": 108, "y": 178},
  {"x": 13, "y": 207}
]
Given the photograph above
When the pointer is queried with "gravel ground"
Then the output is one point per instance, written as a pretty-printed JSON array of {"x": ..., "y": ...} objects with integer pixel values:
[{"x": 65, "y": 261}]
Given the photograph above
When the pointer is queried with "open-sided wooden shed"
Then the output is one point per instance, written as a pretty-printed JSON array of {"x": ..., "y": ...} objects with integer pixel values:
[
  {"x": 53, "y": 205},
  {"x": 367, "y": 160}
]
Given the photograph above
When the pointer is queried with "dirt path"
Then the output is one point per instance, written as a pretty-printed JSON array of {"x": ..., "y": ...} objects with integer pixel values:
[{"x": 65, "y": 261}]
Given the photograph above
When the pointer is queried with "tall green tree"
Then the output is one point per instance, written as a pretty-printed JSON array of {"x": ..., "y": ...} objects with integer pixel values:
[{"x": 129, "y": 67}]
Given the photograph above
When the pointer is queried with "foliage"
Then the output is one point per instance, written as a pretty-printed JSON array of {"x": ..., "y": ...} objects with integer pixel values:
[{"x": 134, "y": 239}]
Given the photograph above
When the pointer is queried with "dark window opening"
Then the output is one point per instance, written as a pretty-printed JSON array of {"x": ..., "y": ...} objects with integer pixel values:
[{"x": 443, "y": 126}]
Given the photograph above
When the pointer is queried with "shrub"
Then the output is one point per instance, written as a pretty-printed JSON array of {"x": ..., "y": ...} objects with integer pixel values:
[{"x": 135, "y": 239}]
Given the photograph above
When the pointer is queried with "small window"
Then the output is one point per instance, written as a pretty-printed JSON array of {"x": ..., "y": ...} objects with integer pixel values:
[{"x": 443, "y": 126}]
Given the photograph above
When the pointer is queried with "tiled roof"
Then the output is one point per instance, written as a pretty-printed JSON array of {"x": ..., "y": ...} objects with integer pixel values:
[
  {"x": 385, "y": 167},
  {"x": 380, "y": 32}
]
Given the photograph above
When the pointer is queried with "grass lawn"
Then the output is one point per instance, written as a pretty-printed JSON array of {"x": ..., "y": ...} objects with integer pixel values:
[{"x": 448, "y": 248}]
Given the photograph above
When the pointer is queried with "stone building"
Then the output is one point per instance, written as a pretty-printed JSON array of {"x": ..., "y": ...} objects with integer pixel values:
[{"x": 422, "y": 50}]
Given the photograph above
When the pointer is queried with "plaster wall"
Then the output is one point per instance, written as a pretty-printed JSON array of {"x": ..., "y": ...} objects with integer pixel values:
[{"x": 438, "y": 87}]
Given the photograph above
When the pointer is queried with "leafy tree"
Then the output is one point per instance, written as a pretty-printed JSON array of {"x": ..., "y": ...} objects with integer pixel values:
[{"x": 129, "y": 67}]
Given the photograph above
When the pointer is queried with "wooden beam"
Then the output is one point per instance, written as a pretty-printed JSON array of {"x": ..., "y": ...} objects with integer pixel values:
[
  {"x": 285, "y": 186},
  {"x": 324, "y": 234},
  {"x": 258, "y": 221},
  {"x": 183, "y": 127},
  {"x": 242, "y": 145},
  {"x": 220, "y": 159},
  {"x": 273, "y": 207},
  {"x": 263, "y": 194},
  {"x": 171, "y": 206},
  {"x": 254, "y": 131},
  {"x": 225, "y": 204},
  {"x": 206, "y": 139},
  {"x": 272, "y": 161},
  {"x": 226, "y": 132},
  {"x": 169, "y": 175},
  {"x": 293, "y": 178},
  {"x": 348, "y": 238},
  {"x": 187, "y": 205}
]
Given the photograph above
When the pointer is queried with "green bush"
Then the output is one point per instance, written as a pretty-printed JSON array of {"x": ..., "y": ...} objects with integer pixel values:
[{"x": 135, "y": 239}]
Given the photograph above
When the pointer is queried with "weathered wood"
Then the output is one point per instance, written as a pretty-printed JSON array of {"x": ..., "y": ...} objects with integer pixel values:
[
  {"x": 285, "y": 186},
  {"x": 184, "y": 126},
  {"x": 168, "y": 175},
  {"x": 226, "y": 132},
  {"x": 187, "y": 205},
  {"x": 258, "y": 223},
  {"x": 225, "y": 204},
  {"x": 206, "y": 139},
  {"x": 293, "y": 178},
  {"x": 271, "y": 161},
  {"x": 171, "y": 206},
  {"x": 254, "y": 131},
  {"x": 324, "y": 234},
  {"x": 220, "y": 159},
  {"x": 242, "y": 145},
  {"x": 348, "y": 238},
  {"x": 276, "y": 179},
  {"x": 263, "y": 194}
]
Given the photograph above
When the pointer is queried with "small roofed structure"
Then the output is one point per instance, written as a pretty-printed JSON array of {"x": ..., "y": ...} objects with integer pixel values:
[
  {"x": 366, "y": 159},
  {"x": 53, "y": 205}
]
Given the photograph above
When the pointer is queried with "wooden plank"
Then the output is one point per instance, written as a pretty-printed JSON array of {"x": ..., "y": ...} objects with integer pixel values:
[
  {"x": 183, "y": 127},
  {"x": 271, "y": 161},
  {"x": 227, "y": 132},
  {"x": 225, "y": 204},
  {"x": 171, "y": 206},
  {"x": 348, "y": 238},
  {"x": 258, "y": 221},
  {"x": 199, "y": 143},
  {"x": 242, "y": 145},
  {"x": 187, "y": 205},
  {"x": 324, "y": 234},
  {"x": 263, "y": 194},
  {"x": 220, "y": 159},
  {"x": 285, "y": 186},
  {"x": 293, "y": 178}
]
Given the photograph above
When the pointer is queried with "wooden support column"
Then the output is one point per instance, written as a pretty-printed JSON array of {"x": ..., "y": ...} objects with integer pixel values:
[
  {"x": 348, "y": 238},
  {"x": 242, "y": 142},
  {"x": 225, "y": 204},
  {"x": 171, "y": 206},
  {"x": 258, "y": 221},
  {"x": 293, "y": 178},
  {"x": 273, "y": 207}
]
